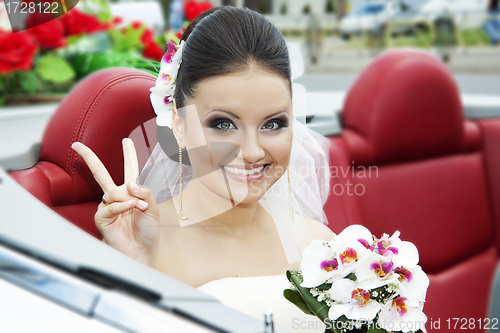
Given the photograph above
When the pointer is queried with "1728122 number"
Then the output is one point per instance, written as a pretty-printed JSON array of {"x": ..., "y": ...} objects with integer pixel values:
[
  {"x": 472, "y": 323},
  {"x": 32, "y": 7}
]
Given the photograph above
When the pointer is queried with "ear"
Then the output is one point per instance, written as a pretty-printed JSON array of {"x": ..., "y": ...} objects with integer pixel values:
[{"x": 178, "y": 127}]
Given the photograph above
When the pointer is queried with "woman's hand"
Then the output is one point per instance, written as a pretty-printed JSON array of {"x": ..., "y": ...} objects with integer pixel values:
[{"x": 128, "y": 217}]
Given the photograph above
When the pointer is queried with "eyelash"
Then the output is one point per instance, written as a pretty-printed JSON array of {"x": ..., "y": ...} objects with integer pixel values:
[{"x": 216, "y": 123}]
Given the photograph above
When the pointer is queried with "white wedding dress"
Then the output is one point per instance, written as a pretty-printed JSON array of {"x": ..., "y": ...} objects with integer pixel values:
[{"x": 255, "y": 295}]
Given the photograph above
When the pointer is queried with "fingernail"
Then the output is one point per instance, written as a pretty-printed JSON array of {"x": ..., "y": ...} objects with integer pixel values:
[
  {"x": 142, "y": 204},
  {"x": 134, "y": 186}
]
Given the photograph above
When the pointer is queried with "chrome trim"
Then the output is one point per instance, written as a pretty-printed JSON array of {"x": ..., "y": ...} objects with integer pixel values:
[
  {"x": 118, "y": 309},
  {"x": 268, "y": 321},
  {"x": 135, "y": 315},
  {"x": 48, "y": 281}
]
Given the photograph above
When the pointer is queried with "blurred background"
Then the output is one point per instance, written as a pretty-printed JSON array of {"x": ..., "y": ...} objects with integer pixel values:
[
  {"x": 44, "y": 55},
  {"x": 50, "y": 53},
  {"x": 338, "y": 38}
]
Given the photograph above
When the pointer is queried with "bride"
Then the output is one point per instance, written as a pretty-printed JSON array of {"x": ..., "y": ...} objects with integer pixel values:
[{"x": 234, "y": 213}]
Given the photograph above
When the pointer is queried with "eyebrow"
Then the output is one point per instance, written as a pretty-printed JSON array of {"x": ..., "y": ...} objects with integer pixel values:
[{"x": 237, "y": 117}]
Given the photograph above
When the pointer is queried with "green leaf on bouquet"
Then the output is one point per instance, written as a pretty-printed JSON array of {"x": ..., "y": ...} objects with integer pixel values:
[
  {"x": 55, "y": 69},
  {"x": 28, "y": 81},
  {"x": 352, "y": 277},
  {"x": 376, "y": 330},
  {"x": 319, "y": 309},
  {"x": 294, "y": 297}
]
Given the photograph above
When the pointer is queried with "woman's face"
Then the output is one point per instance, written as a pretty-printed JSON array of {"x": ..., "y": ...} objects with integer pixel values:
[{"x": 238, "y": 133}]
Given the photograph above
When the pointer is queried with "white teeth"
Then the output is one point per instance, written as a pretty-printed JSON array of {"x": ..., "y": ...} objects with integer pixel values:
[{"x": 238, "y": 171}]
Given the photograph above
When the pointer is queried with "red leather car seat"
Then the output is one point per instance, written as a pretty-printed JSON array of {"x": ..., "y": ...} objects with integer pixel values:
[
  {"x": 415, "y": 165},
  {"x": 100, "y": 111}
]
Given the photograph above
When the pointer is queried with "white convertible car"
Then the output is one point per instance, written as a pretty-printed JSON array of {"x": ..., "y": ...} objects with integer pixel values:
[{"x": 438, "y": 159}]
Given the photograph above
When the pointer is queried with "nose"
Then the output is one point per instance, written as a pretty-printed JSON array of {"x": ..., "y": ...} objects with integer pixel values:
[{"x": 251, "y": 149}]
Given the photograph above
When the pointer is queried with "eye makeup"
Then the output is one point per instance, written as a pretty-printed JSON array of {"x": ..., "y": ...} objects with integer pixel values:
[
  {"x": 222, "y": 123},
  {"x": 281, "y": 121}
]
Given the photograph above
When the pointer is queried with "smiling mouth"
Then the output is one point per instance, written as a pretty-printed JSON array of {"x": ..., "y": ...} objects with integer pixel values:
[{"x": 244, "y": 174}]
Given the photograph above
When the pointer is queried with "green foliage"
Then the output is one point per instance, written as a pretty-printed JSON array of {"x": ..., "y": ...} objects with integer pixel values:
[
  {"x": 3, "y": 88},
  {"x": 309, "y": 304},
  {"x": 376, "y": 330},
  {"x": 54, "y": 69},
  {"x": 105, "y": 15},
  {"x": 89, "y": 63},
  {"x": 319, "y": 309},
  {"x": 474, "y": 37},
  {"x": 29, "y": 81},
  {"x": 99, "y": 8},
  {"x": 96, "y": 42},
  {"x": 19, "y": 86},
  {"x": 130, "y": 40},
  {"x": 425, "y": 38},
  {"x": 294, "y": 297}
]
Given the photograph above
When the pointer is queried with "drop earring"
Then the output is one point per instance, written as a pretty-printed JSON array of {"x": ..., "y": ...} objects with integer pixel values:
[
  {"x": 179, "y": 211},
  {"x": 290, "y": 203}
]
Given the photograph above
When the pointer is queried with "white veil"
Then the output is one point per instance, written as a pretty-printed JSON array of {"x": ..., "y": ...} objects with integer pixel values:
[{"x": 308, "y": 168}]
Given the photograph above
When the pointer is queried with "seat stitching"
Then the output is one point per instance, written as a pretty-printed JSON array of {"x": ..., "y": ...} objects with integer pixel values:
[
  {"x": 84, "y": 110},
  {"x": 100, "y": 95}
]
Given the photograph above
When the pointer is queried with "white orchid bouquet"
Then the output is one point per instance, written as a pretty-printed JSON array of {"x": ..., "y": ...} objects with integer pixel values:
[{"x": 359, "y": 283}]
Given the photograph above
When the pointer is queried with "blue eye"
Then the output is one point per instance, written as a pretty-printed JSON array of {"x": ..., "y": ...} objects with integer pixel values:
[{"x": 225, "y": 125}]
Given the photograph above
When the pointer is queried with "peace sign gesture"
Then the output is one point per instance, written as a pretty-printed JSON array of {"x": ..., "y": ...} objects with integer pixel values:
[{"x": 128, "y": 216}]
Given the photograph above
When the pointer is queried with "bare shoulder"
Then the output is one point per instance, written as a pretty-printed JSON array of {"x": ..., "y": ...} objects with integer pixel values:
[{"x": 318, "y": 230}]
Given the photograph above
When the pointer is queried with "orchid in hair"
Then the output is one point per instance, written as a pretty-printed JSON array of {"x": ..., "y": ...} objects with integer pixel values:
[{"x": 162, "y": 94}]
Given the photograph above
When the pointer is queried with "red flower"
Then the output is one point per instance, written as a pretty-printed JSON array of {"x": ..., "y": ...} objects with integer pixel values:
[
  {"x": 152, "y": 51},
  {"x": 116, "y": 21},
  {"x": 37, "y": 18},
  {"x": 49, "y": 35},
  {"x": 148, "y": 34},
  {"x": 76, "y": 22},
  {"x": 193, "y": 8},
  {"x": 136, "y": 24},
  {"x": 205, "y": 5},
  {"x": 17, "y": 51}
]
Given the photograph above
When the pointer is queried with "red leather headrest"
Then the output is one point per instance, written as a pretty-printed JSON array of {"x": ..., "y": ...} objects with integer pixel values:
[
  {"x": 100, "y": 111},
  {"x": 404, "y": 105}
]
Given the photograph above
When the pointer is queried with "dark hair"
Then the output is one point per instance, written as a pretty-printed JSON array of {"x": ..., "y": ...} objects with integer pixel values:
[{"x": 226, "y": 40}]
